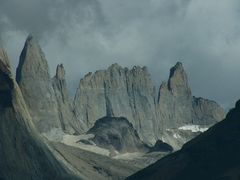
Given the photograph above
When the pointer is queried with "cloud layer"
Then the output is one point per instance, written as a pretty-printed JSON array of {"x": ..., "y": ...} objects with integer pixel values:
[{"x": 87, "y": 35}]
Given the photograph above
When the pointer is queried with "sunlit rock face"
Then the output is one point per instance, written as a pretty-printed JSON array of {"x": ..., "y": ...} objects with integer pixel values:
[
  {"x": 35, "y": 83},
  {"x": 46, "y": 97},
  {"x": 114, "y": 92},
  {"x": 119, "y": 91}
]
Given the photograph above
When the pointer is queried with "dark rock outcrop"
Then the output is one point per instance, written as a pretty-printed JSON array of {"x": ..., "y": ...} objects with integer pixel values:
[
  {"x": 212, "y": 155},
  {"x": 161, "y": 146},
  {"x": 23, "y": 155},
  {"x": 117, "y": 134}
]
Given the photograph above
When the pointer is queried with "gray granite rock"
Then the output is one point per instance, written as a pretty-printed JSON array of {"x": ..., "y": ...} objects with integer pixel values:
[
  {"x": 118, "y": 92},
  {"x": 22, "y": 152},
  {"x": 46, "y": 98},
  {"x": 114, "y": 92},
  {"x": 36, "y": 86},
  {"x": 206, "y": 111},
  {"x": 178, "y": 108},
  {"x": 175, "y": 100},
  {"x": 69, "y": 122}
]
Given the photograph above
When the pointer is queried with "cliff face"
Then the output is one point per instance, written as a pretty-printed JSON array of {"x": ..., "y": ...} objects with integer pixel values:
[
  {"x": 46, "y": 98},
  {"x": 115, "y": 92},
  {"x": 177, "y": 107},
  {"x": 68, "y": 120},
  {"x": 175, "y": 100},
  {"x": 183, "y": 116},
  {"x": 22, "y": 152},
  {"x": 212, "y": 155},
  {"x": 119, "y": 92},
  {"x": 35, "y": 83}
]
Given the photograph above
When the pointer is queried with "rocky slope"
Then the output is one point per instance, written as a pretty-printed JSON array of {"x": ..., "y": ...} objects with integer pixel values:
[
  {"x": 212, "y": 155},
  {"x": 95, "y": 166},
  {"x": 118, "y": 135},
  {"x": 119, "y": 92},
  {"x": 22, "y": 152},
  {"x": 47, "y": 103}
]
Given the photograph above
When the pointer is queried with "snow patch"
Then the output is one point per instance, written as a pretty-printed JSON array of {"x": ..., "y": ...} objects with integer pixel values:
[
  {"x": 72, "y": 140},
  {"x": 128, "y": 156},
  {"x": 177, "y": 136},
  {"x": 193, "y": 128}
]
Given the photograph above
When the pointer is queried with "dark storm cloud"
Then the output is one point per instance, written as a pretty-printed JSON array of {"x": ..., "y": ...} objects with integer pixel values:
[
  {"x": 41, "y": 17},
  {"x": 90, "y": 34}
]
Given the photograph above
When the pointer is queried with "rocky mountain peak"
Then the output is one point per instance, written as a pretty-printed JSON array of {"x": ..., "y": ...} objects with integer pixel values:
[
  {"x": 36, "y": 85},
  {"x": 32, "y": 61},
  {"x": 60, "y": 72},
  {"x": 115, "y": 66},
  {"x": 178, "y": 81}
]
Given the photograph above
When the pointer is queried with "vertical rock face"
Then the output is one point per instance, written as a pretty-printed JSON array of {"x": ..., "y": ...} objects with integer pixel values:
[
  {"x": 177, "y": 106},
  {"x": 175, "y": 99},
  {"x": 118, "y": 92},
  {"x": 67, "y": 118},
  {"x": 22, "y": 153},
  {"x": 47, "y": 105},
  {"x": 35, "y": 83},
  {"x": 183, "y": 116},
  {"x": 114, "y": 92}
]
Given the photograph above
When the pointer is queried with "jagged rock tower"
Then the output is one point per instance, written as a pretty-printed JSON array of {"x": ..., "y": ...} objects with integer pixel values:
[
  {"x": 46, "y": 98},
  {"x": 131, "y": 93},
  {"x": 118, "y": 92}
]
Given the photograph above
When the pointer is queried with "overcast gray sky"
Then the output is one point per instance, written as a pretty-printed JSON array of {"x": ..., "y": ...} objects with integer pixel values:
[{"x": 87, "y": 35}]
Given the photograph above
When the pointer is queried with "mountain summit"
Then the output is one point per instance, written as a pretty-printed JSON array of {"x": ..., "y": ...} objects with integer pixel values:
[{"x": 44, "y": 97}]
